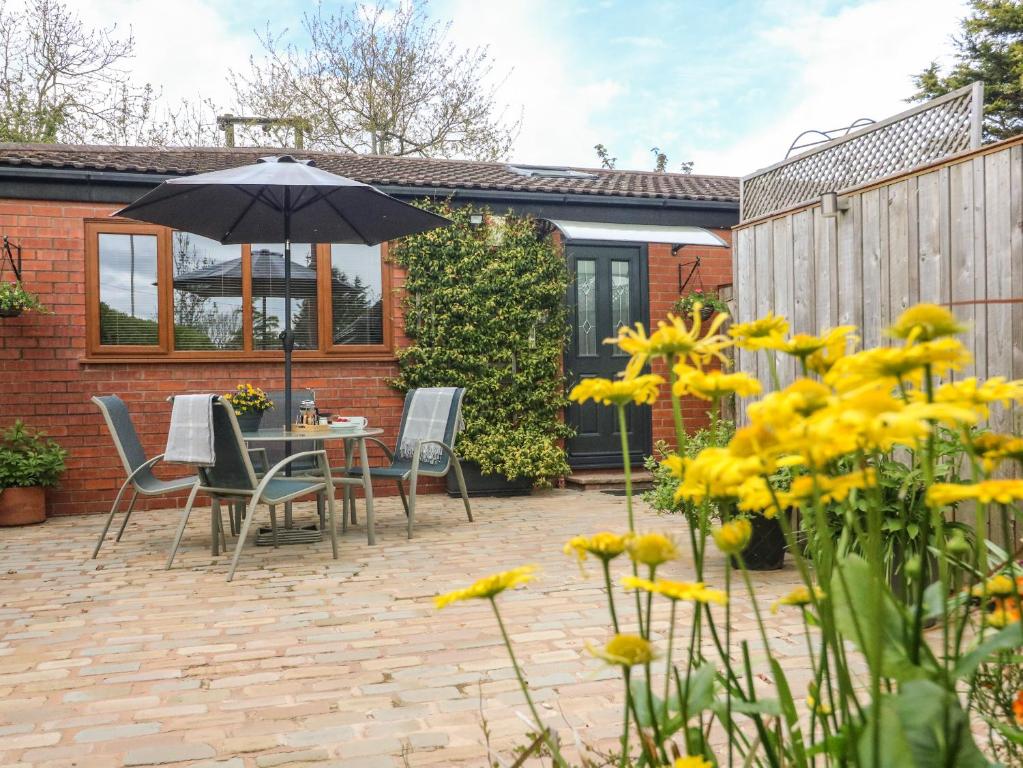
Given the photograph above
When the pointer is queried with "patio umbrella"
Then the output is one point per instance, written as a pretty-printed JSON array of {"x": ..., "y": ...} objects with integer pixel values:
[{"x": 280, "y": 199}]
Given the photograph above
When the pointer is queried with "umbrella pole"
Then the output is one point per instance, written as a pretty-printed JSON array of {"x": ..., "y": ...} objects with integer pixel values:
[{"x": 288, "y": 337}]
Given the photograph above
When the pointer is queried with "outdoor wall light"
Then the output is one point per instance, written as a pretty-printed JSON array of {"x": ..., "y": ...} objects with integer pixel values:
[{"x": 831, "y": 206}]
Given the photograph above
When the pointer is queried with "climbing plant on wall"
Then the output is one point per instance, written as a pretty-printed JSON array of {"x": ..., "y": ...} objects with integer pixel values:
[{"x": 485, "y": 310}]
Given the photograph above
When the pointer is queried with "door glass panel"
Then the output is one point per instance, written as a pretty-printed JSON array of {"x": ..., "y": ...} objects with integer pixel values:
[
  {"x": 586, "y": 307},
  {"x": 129, "y": 305},
  {"x": 621, "y": 289}
]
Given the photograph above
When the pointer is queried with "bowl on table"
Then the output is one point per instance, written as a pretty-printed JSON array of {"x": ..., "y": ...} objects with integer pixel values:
[{"x": 349, "y": 423}]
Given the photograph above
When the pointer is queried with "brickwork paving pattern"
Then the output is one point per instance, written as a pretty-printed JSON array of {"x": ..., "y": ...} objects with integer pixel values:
[{"x": 308, "y": 661}]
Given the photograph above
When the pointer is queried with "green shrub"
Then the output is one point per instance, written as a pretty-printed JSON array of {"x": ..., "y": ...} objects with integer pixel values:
[
  {"x": 485, "y": 310},
  {"x": 662, "y": 495},
  {"x": 28, "y": 459}
]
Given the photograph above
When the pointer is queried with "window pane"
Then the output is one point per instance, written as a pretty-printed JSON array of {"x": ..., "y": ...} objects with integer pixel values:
[
  {"x": 207, "y": 293},
  {"x": 128, "y": 298},
  {"x": 621, "y": 289},
  {"x": 268, "y": 295},
  {"x": 356, "y": 289}
]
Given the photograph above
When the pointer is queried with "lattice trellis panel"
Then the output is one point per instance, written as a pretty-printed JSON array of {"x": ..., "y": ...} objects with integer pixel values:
[{"x": 925, "y": 134}]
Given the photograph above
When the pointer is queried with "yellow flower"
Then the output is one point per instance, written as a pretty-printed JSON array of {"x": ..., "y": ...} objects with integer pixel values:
[
  {"x": 986, "y": 492},
  {"x": 925, "y": 322},
  {"x": 691, "y": 762},
  {"x": 733, "y": 537},
  {"x": 968, "y": 393},
  {"x": 604, "y": 545},
  {"x": 1004, "y": 611},
  {"x": 695, "y": 591},
  {"x": 799, "y": 596},
  {"x": 755, "y": 495},
  {"x": 997, "y": 586},
  {"x": 716, "y": 473},
  {"x": 641, "y": 390},
  {"x": 489, "y": 586},
  {"x": 767, "y": 332},
  {"x": 897, "y": 363},
  {"x": 821, "y": 708},
  {"x": 625, "y": 650},
  {"x": 832, "y": 342},
  {"x": 712, "y": 385},
  {"x": 992, "y": 448},
  {"x": 652, "y": 549},
  {"x": 673, "y": 340}
]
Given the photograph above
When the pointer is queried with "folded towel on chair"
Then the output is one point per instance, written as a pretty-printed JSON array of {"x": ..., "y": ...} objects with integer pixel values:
[
  {"x": 427, "y": 419},
  {"x": 190, "y": 440}
]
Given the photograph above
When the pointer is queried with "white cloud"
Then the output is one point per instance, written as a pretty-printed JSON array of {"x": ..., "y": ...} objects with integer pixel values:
[
  {"x": 855, "y": 63},
  {"x": 184, "y": 47},
  {"x": 560, "y": 102}
]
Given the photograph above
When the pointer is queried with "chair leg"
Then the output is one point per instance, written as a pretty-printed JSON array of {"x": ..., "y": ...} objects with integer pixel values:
[
  {"x": 273, "y": 526},
  {"x": 412, "y": 480},
  {"x": 184, "y": 522},
  {"x": 251, "y": 513},
  {"x": 367, "y": 488},
  {"x": 344, "y": 507},
  {"x": 127, "y": 515},
  {"x": 331, "y": 519},
  {"x": 110, "y": 519},
  {"x": 222, "y": 540},
  {"x": 215, "y": 528},
  {"x": 320, "y": 511},
  {"x": 461, "y": 485},
  {"x": 401, "y": 492}
]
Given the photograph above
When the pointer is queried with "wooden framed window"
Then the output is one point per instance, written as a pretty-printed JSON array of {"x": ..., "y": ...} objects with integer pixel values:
[{"x": 152, "y": 292}]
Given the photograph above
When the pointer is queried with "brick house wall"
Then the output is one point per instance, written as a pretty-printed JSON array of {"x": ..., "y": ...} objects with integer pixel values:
[{"x": 46, "y": 381}]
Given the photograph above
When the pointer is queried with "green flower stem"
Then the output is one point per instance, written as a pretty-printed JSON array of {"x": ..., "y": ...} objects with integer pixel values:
[
  {"x": 627, "y": 675},
  {"x": 649, "y": 602},
  {"x": 623, "y": 762},
  {"x": 772, "y": 366},
  {"x": 606, "y": 564},
  {"x": 676, "y": 406},
  {"x": 548, "y": 737},
  {"x": 653, "y": 712},
  {"x": 626, "y": 466},
  {"x": 667, "y": 659}
]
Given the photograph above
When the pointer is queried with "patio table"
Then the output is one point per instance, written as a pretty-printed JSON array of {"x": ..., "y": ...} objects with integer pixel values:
[{"x": 292, "y": 535}]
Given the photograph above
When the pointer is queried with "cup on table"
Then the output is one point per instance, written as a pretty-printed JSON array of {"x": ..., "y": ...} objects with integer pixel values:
[{"x": 350, "y": 422}]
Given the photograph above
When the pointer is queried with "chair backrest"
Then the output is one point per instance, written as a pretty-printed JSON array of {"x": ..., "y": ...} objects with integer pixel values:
[
  {"x": 233, "y": 470},
  {"x": 451, "y": 429},
  {"x": 122, "y": 430},
  {"x": 275, "y": 417}
]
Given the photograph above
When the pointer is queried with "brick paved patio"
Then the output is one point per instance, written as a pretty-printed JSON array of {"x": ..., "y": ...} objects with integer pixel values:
[{"x": 304, "y": 660}]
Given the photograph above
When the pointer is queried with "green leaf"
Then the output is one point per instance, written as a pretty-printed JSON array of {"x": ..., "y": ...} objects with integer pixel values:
[
  {"x": 769, "y": 707},
  {"x": 1010, "y": 732},
  {"x": 788, "y": 708},
  {"x": 642, "y": 703},
  {"x": 1006, "y": 639},
  {"x": 912, "y": 727},
  {"x": 862, "y": 605},
  {"x": 701, "y": 691}
]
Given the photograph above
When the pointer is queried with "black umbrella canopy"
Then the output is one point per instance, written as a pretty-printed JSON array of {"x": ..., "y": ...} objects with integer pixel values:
[{"x": 278, "y": 199}]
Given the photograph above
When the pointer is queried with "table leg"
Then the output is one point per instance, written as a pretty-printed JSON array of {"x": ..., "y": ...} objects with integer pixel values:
[
  {"x": 367, "y": 488},
  {"x": 288, "y": 522}
]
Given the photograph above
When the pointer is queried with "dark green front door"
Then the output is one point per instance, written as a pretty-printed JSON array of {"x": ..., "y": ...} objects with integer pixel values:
[{"x": 607, "y": 291}]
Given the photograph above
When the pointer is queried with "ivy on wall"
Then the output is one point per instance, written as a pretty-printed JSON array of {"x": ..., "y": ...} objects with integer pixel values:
[{"x": 485, "y": 310}]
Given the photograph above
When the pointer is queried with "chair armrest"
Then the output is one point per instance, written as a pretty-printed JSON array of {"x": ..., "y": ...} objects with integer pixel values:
[
  {"x": 142, "y": 467},
  {"x": 324, "y": 467},
  {"x": 264, "y": 459},
  {"x": 377, "y": 441}
]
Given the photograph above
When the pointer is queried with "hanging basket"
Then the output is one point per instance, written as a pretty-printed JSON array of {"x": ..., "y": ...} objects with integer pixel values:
[{"x": 10, "y": 312}]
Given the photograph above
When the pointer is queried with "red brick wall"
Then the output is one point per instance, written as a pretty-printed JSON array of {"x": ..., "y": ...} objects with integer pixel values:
[
  {"x": 715, "y": 270},
  {"x": 45, "y": 380}
]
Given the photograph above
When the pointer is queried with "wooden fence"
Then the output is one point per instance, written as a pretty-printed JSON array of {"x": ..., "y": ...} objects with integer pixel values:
[{"x": 950, "y": 233}]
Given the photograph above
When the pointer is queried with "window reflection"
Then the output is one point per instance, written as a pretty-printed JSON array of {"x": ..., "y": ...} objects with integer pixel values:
[
  {"x": 129, "y": 307},
  {"x": 356, "y": 293},
  {"x": 207, "y": 293},
  {"x": 268, "y": 295}
]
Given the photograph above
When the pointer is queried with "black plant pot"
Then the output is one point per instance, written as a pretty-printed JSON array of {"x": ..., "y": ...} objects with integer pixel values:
[
  {"x": 766, "y": 550},
  {"x": 479, "y": 484},
  {"x": 249, "y": 422},
  {"x": 10, "y": 312}
]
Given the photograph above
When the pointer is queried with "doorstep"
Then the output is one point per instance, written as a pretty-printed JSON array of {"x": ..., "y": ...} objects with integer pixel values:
[{"x": 608, "y": 480}]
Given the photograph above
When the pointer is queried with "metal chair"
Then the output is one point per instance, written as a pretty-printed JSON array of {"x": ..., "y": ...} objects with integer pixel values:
[
  {"x": 232, "y": 478},
  {"x": 411, "y": 469},
  {"x": 133, "y": 457}
]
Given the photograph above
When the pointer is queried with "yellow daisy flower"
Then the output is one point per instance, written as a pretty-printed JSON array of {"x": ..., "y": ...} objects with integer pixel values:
[
  {"x": 691, "y": 762},
  {"x": 489, "y": 586},
  {"x": 694, "y": 591},
  {"x": 625, "y": 651},
  {"x": 652, "y": 549},
  {"x": 641, "y": 390},
  {"x": 767, "y": 332},
  {"x": 712, "y": 385},
  {"x": 986, "y": 492},
  {"x": 799, "y": 596},
  {"x": 604, "y": 545},
  {"x": 733, "y": 537},
  {"x": 925, "y": 322}
]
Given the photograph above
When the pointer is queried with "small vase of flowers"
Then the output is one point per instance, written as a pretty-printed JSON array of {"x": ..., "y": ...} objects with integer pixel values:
[
  {"x": 710, "y": 304},
  {"x": 14, "y": 300},
  {"x": 250, "y": 403}
]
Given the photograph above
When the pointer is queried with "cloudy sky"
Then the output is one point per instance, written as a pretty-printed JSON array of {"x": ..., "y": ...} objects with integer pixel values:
[{"x": 726, "y": 83}]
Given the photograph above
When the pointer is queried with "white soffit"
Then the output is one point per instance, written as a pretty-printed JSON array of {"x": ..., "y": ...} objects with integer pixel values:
[{"x": 636, "y": 233}]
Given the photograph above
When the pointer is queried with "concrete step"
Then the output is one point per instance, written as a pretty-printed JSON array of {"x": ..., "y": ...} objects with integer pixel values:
[{"x": 608, "y": 480}]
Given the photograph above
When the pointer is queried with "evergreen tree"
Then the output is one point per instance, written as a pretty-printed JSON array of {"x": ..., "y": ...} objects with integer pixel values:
[{"x": 989, "y": 48}]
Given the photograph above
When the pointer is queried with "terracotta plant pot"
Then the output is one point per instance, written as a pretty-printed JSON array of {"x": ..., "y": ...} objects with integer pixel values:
[{"x": 22, "y": 506}]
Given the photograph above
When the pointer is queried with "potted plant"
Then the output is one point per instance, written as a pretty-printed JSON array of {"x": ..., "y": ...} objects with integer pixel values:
[
  {"x": 486, "y": 312},
  {"x": 29, "y": 463},
  {"x": 710, "y": 303},
  {"x": 250, "y": 403},
  {"x": 14, "y": 300}
]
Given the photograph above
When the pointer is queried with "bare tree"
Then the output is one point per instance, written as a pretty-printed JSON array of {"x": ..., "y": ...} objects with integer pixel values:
[
  {"x": 62, "y": 81},
  {"x": 606, "y": 161},
  {"x": 379, "y": 79}
]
